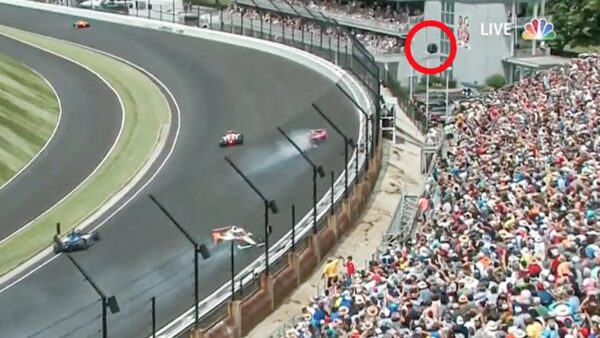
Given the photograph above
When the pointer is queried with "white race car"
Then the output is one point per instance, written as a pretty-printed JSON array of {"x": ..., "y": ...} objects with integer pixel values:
[{"x": 243, "y": 238}]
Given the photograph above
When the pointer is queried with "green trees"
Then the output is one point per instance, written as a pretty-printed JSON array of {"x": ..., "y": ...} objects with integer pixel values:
[
  {"x": 576, "y": 22},
  {"x": 495, "y": 81}
]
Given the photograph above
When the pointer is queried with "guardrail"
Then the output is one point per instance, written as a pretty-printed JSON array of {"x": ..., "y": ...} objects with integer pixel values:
[{"x": 366, "y": 101}]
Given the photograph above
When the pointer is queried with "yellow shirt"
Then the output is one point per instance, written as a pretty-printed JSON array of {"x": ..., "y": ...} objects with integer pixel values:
[
  {"x": 534, "y": 330},
  {"x": 331, "y": 269}
]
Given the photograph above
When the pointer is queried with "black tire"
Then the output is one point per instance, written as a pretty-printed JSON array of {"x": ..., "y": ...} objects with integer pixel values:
[
  {"x": 241, "y": 139},
  {"x": 81, "y": 244},
  {"x": 96, "y": 235},
  {"x": 57, "y": 248}
]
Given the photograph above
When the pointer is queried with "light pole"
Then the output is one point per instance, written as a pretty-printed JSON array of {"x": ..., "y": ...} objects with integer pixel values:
[
  {"x": 427, "y": 99},
  {"x": 198, "y": 249},
  {"x": 231, "y": 252},
  {"x": 107, "y": 302},
  {"x": 412, "y": 74},
  {"x": 447, "y": 95},
  {"x": 269, "y": 205},
  {"x": 232, "y": 242},
  {"x": 368, "y": 118},
  {"x": 316, "y": 170},
  {"x": 347, "y": 142}
]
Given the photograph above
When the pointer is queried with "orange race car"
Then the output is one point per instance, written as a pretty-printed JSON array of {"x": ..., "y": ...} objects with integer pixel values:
[{"x": 81, "y": 24}]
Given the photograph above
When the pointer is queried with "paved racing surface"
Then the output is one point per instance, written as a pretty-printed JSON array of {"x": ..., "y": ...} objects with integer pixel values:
[
  {"x": 91, "y": 116},
  {"x": 142, "y": 254}
]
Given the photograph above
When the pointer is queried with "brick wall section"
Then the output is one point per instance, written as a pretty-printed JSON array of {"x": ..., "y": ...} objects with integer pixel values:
[{"x": 244, "y": 315}]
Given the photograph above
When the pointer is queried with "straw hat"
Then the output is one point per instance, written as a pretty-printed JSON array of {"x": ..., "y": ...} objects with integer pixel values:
[
  {"x": 520, "y": 333},
  {"x": 372, "y": 311},
  {"x": 343, "y": 310},
  {"x": 562, "y": 310},
  {"x": 491, "y": 326},
  {"x": 359, "y": 299},
  {"x": 422, "y": 285},
  {"x": 464, "y": 239}
]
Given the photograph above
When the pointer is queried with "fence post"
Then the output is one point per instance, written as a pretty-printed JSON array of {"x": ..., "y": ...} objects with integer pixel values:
[
  {"x": 222, "y": 24},
  {"x": 293, "y": 34},
  {"x": 262, "y": 36},
  {"x": 337, "y": 50},
  {"x": 330, "y": 50},
  {"x": 198, "y": 15},
  {"x": 321, "y": 38},
  {"x": 332, "y": 193},
  {"x": 242, "y": 21},
  {"x": 293, "y": 227},
  {"x": 153, "y": 317},
  {"x": 346, "y": 53}
]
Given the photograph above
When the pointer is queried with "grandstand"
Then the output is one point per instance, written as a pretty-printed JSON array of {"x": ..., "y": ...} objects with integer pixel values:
[
  {"x": 507, "y": 233},
  {"x": 383, "y": 30}
]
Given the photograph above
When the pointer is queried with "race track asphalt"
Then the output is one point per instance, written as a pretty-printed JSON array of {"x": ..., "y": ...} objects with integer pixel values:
[
  {"x": 142, "y": 254},
  {"x": 91, "y": 116}
]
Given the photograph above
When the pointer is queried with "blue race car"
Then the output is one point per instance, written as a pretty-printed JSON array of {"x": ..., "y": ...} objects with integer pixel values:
[{"x": 75, "y": 241}]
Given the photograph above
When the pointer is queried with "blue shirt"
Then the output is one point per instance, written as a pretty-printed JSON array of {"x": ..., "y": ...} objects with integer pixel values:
[
  {"x": 318, "y": 316},
  {"x": 545, "y": 297}
]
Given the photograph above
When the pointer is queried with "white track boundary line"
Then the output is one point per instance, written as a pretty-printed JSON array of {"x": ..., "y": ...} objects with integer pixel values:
[
  {"x": 51, "y": 135},
  {"x": 177, "y": 132},
  {"x": 104, "y": 159}
]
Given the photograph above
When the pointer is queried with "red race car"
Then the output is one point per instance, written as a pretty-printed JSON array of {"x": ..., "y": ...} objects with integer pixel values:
[
  {"x": 318, "y": 136},
  {"x": 231, "y": 138},
  {"x": 81, "y": 24}
]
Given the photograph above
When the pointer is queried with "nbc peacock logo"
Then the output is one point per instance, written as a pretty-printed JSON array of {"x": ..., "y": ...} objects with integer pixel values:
[{"x": 539, "y": 29}]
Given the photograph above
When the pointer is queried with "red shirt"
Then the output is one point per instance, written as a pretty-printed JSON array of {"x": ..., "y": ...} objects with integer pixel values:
[
  {"x": 534, "y": 270},
  {"x": 554, "y": 266},
  {"x": 350, "y": 268}
]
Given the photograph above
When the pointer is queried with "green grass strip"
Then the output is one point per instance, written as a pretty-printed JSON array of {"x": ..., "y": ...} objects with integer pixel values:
[
  {"x": 146, "y": 112},
  {"x": 29, "y": 113}
]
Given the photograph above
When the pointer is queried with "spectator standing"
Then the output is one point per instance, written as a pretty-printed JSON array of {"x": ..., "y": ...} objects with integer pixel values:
[{"x": 350, "y": 268}]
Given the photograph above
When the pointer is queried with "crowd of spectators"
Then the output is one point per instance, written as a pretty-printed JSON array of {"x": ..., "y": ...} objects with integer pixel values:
[
  {"x": 375, "y": 43},
  {"x": 374, "y": 14},
  {"x": 509, "y": 246}
]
